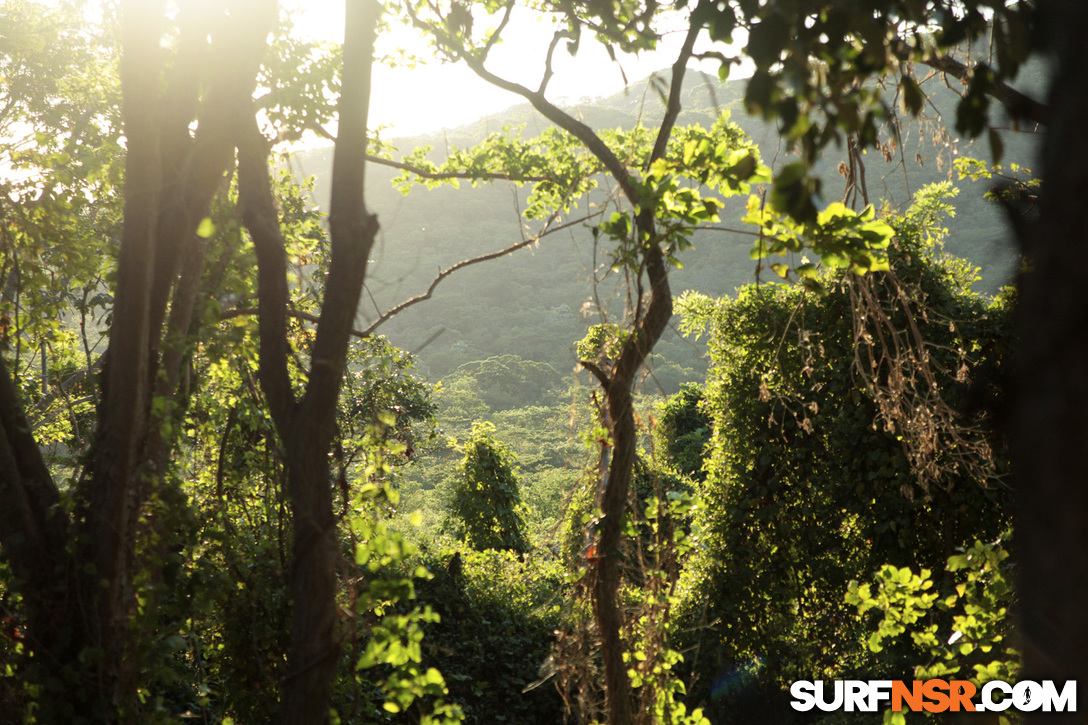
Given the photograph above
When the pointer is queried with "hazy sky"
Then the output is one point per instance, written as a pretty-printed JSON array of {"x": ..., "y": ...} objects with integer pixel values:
[{"x": 435, "y": 96}]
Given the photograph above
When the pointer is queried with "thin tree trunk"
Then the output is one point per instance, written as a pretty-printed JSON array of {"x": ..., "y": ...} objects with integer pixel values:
[
  {"x": 607, "y": 610},
  {"x": 307, "y": 425}
]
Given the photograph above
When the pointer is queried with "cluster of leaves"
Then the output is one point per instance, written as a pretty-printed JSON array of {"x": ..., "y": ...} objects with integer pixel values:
[
  {"x": 840, "y": 237},
  {"x": 394, "y": 624},
  {"x": 814, "y": 58},
  {"x": 503, "y": 382},
  {"x": 977, "y": 590},
  {"x": 683, "y": 432},
  {"x": 558, "y": 167},
  {"x": 680, "y": 188},
  {"x": 59, "y": 212}
]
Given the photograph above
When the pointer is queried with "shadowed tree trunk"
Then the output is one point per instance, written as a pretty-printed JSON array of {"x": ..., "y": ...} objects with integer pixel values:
[
  {"x": 1051, "y": 388},
  {"x": 307, "y": 425}
]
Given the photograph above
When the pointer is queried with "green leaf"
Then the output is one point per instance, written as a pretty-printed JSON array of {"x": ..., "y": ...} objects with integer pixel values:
[{"x": 206, "y": 228}]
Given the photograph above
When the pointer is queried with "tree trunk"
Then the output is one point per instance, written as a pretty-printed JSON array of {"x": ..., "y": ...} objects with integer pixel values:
[
  {"x": 609, "y": 614},
  {"x": 307, "y": 425},
  {"x": 1051, "y": 388},
  {"x": 315, "y": 644}
]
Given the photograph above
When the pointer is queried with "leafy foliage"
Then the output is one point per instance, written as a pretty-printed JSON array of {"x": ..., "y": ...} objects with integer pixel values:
[
  {"x": 683, "y": 430},
  {"x": 493, "y": 644},
  {"x": 486, "y": 507},
  {"x": 977, "y": 589},
  {"x": 806, "y": 489}
]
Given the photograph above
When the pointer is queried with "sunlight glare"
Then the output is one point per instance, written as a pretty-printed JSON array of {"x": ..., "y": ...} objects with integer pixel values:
[{"x": 433, "y": 96}]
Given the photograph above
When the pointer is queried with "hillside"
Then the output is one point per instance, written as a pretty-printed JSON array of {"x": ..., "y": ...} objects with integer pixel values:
[{"x": 534, "y": 298}]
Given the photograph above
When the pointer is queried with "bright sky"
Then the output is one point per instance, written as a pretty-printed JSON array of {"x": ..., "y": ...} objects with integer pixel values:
[{"x": 435, "y": 96}]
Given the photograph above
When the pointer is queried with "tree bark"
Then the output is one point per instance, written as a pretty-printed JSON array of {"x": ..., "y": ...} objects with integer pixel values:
[{"x": 112, "y": 493}]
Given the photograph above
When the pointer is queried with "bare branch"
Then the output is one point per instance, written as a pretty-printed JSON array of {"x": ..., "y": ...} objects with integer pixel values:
[
  {"x": 291, "y": 312},
  {"x": 498, "y": 31},
  {"x": 443, "y": 175},
  {"x": 679, "y": 67},
  {"x": 548, "y": 70},
  {"x": 443, "y": 274}
]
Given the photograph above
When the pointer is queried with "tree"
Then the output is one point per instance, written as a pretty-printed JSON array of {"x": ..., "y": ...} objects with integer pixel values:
[
  {"x": 1048, "y": 387},
  {"x": 76, "y": 552},
  {"x": 659, "y": 176},
  {"x": 814, "y": 477},
  {"x": 486, "y": 501}
]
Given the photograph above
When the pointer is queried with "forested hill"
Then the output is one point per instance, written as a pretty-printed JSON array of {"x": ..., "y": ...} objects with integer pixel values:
[{"x": 532, "y": 303}]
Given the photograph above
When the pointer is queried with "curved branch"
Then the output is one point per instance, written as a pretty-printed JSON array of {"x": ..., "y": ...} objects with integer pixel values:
[
  {"x": 548, "y": 70},
  {"x": 443, "y": 175},
  {"x": 433, "y": 175},
  {"x": 444, "y": 273},
  {"x": 498, "y": 31},
  {"x": 1019, "y": 105},
  {"x": 565, "y": 121},
  {"x": 679, "y": 68}
]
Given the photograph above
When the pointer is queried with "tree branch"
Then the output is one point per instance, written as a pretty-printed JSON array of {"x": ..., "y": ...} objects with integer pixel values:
[
  {"x": 352, "y": 229},
  {"x": 443, "y": 175},
  {"x": 259, "y": 216},
  {"x": 443, "y": 274},
  {"x": 679, "y": 67},
  {"x": 29, "y": 493},
  {"x": 1019, "y": 105},
  {"x": 568, "y": 123},
  {"x": 204, "y": 159}
]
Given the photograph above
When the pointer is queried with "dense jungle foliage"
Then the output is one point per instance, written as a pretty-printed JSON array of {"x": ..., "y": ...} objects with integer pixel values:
[{"x": 818, "y": 482}]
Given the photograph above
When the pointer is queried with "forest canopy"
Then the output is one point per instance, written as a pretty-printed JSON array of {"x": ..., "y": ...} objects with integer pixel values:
[{"x": 224, "y": 495}]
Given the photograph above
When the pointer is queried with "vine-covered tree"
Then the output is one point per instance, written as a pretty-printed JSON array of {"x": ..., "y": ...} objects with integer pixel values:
[
  {"x": 813, "y": 476},
  {"x": 485, "y": 510},
  {"x": 816, "y": 62}
]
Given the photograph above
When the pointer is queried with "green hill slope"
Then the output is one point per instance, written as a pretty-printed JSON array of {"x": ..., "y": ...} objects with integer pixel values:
[{"x": 531, "y": 303}]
